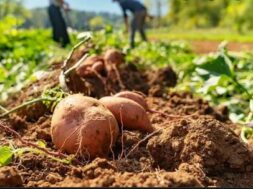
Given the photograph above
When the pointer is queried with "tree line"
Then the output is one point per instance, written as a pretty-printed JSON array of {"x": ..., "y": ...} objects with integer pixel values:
[
  {"x": 38, "y": 18},
  {"x": 234, "y": 14}
]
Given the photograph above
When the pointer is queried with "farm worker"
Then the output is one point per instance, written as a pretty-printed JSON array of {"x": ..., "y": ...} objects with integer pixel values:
[
  {"x": 60, "y": 33},
  {"x": 139, "y": 15}
]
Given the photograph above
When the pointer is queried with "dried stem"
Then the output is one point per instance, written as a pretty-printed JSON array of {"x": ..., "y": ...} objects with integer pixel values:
[
  {"x": 143, "y": 140},
  {"x": 122, "y": 86},
  {"x": 3, "y": 109},
  {"x": 66, "y": 62},
  {"x": 170, "y": 116},
  {"x": 64, "y": 73},
  {"x": 76, "y": 65}
]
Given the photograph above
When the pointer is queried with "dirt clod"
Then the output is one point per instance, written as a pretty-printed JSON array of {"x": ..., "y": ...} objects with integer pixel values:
[
  {"x": 204, "y": 141},
  {"x": 9, "y": 177}
]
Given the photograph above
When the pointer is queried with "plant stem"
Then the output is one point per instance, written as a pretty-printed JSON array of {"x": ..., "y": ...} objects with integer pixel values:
[
  {"x": 26, "y": 104},
  {"x": 66, "y": 73},
  {"x": 3, "y": 109},
  {"x": 72, "y": 52},
  {"x": 143, "y": 140},
  {"x": 243, "y": 137},
  {"x": 243, "y": 88}
]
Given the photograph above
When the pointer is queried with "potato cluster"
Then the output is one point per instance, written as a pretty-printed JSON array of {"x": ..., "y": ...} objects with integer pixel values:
[
  {"x": 89, "y": 127},
  {"x": 97, "y": 64}
]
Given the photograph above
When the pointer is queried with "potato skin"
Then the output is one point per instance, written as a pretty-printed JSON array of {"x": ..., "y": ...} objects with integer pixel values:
[
  {"x": 134, "y": 116},
  {"x": 86, "y": 123},
  {"x": 94, "y": 62},
  {"x": 133, "y": 96},
  {"x": 113, "y": 56}
]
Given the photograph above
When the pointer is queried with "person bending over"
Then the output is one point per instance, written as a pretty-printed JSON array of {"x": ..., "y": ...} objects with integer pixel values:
[{"x": 139, "y": 12}]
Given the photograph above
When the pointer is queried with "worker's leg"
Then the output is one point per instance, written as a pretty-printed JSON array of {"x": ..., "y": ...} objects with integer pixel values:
[
  {"x": 142, "y": 25},
  {"x": 53, "y": 20},
  {"x": 63, "y": 31},
  {"x": 133, "y": 31},
  {"x": 60, "y": 33}
]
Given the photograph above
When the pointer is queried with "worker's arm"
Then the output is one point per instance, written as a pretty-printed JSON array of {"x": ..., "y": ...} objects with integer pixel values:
[{"x": 64, "y": 5}]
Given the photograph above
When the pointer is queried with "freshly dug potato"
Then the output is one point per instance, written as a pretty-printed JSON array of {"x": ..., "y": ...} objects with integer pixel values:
[
  {"x": 113, "y": 59},
  {"x": 113, "y": 56},
  {"x": 83, "y": 125},
  {"x": 91, "y": 64},
  {"x": 131, "y": 114},
  {"x": 135, "y": 97},
  {"x": 138, "y": 98}
]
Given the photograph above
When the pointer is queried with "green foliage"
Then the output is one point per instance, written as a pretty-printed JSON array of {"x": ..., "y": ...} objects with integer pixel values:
[
  {"x": 224, "y": 79},
  {"x": 23, "y": 53},
  {"x": 238, "y": 14},
  {"x": 214, "y": 34},
  {"x": 5, "y": 155},
  {"x": 13, "y": 7},
  {"x": 56, "y": 94},
  {"x": 151, "y": 54},
  {"x": 97, "y": 22},
  {"x": 197, "y": 13},
  {"x": 8, "y": 153}
]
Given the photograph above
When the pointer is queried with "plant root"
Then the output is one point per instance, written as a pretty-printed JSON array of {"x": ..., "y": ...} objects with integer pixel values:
[
  {"x": 143, "y": 140},
  {"x": 27, "y": 143},
  {"x": 122, "y": 86}
]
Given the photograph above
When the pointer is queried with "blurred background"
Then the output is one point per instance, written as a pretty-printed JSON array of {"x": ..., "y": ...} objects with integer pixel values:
[
  {"x": 212, "y": 20},
  {"x": 236, "y": 15},
  {"x": 232, "y": 15}
]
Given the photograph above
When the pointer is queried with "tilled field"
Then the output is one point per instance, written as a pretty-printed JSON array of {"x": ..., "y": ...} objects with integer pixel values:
[{"x": 201, "y": 147}]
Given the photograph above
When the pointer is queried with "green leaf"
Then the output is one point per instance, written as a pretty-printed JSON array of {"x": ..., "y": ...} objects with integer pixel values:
[
  {"x": 5, "y": 155},
  {"x": 217, "y": 66},
  {"x": 41, "y": 144},
  {"x": 251, "y": 105}
]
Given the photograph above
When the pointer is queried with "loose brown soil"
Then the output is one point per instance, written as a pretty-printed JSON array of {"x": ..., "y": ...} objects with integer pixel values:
[{"x": 201, "y": 148}]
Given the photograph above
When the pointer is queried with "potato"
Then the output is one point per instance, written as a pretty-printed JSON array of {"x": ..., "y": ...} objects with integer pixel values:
[
  {"x": 98, "y": 66},
  {"x": 138, "y": 98},
  {"x": 83, "y": 125},
  {"x": 134, "y": 116},
  {"x": 113, "y": 56},
  {"x": 91, "y": 64},
  {"x": 135, "y": 97}
]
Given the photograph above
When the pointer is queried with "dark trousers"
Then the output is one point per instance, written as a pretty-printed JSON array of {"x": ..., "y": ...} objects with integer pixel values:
[
  {"x": 138, "y": 24},
  {"x": 60, "y": 33}
]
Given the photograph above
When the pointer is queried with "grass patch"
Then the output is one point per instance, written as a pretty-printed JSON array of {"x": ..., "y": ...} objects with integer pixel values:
[{"x": 216, "y": 34}]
